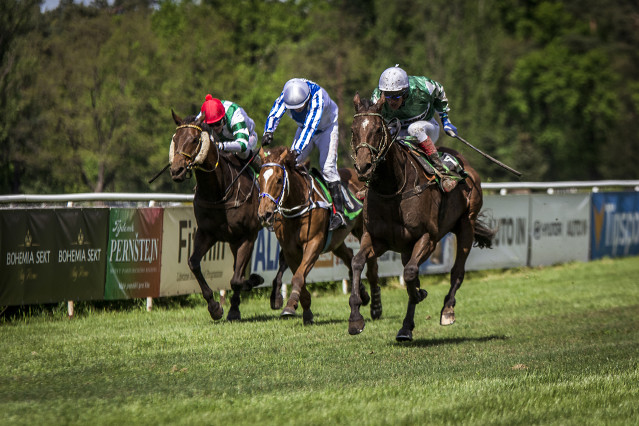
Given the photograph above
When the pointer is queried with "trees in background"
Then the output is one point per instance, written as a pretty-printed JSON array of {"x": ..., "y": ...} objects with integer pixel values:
[{"x": 548, "y": 87}]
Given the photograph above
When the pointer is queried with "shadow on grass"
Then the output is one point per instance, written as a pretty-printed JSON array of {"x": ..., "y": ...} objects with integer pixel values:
[{"x": 424, "y": 343}]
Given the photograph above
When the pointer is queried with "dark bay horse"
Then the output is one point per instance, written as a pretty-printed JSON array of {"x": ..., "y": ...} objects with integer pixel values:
[
  {"x": 297, "y": 209},
  {"x": 225, "y": 207},
  {"x": 404, "y": 211}
]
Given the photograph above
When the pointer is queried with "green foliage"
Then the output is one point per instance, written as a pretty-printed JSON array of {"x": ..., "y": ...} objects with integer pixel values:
[
  {"x": 547, "y": 86},
  {"x": 554, "y": 345}
]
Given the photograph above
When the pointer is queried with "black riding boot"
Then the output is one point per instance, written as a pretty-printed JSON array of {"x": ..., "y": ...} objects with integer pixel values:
[
  {"x": 447, "y": 182},
  {"x": 337, "y": 220},
  {"x": 256, "y": 164}
]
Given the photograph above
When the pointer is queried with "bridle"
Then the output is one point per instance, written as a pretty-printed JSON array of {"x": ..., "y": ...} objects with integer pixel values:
[
  {"x": 285, "y": 187},
  {"x": 194, "y": 161},
  {"x": 297, "y": 210},
  {"x": 378, "y": 154}
]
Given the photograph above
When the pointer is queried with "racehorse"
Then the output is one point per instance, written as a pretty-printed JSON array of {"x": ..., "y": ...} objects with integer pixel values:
[
  {"x": 404, "y": 211},
  {"x": 293, "y": 203},
  {"x": 225, "y": 207}
]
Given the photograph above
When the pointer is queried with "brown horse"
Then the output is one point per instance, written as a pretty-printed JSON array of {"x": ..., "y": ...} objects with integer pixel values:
[
  {"x": 297, "y": 209},
  {"x": 405, "y": 211},
  {"x": 225, "y": 207}
]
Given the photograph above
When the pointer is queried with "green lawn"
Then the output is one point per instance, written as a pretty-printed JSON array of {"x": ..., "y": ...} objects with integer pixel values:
[{"x": 557, "y": 345}]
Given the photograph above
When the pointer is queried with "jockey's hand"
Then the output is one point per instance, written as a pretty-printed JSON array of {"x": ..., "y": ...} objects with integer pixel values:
[
  {"x": 448, "y": 127},
  {"x": 267, "y": 139}
]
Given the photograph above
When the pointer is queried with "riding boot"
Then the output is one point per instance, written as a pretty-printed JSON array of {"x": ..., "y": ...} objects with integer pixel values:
[
  {"x": 447, "y": 182},
  {"x": 256, "y": 164},
  {"x": 428, "y": 146},
  {"x": 337, "y": 220}
]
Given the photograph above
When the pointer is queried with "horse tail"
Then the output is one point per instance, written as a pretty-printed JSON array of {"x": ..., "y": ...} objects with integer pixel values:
[{"x": 483, "y": 233}]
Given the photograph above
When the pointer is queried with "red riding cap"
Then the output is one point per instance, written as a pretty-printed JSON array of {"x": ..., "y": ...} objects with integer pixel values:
[{"x": 212, "y": 109}]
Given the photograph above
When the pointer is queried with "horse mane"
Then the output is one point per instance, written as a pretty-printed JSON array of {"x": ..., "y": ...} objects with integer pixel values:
[{"x": 275, "y": 153}]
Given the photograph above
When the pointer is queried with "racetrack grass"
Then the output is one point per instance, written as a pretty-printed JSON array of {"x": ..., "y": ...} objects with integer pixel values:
[{"x": 558, "y": 345}]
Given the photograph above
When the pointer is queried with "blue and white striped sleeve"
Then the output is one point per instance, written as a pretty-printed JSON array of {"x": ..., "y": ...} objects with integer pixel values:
[
  {"x": 277, "y": 111},
  {"x": 315, "y": 110}
]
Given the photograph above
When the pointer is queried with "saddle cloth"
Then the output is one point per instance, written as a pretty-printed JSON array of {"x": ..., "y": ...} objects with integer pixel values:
[{"x": 352, "y": 206}]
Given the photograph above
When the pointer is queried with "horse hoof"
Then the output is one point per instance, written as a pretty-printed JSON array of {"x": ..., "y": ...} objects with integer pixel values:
[
  {"x": 287, "y": 313},
  {"x": 376, "y": 313},
  {"x": 447, "y": 316},
  {"x": 217, "y": 312},
  {"x": 234, "y": 315},
  {"x": 356, "y": 327},
  {"x": 404, "y": 336},
  {"x": 308, "y": 317},
  {"x": 277, "y": 302}
]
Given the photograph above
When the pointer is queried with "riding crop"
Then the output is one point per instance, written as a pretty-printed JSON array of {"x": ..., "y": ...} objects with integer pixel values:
[
  {"x": 494, "y": 160},
  {"x": 161, "y": 171}
]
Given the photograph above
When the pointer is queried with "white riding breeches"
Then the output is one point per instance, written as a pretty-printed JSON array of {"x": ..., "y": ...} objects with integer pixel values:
[
  {"x": 326, "y": 142},
  {"x": 421, "y": 129}
]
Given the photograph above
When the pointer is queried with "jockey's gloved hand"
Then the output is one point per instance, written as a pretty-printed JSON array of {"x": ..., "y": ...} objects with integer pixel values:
[
  {"x": 267, "y": 139},
  {"x": 448, "y": 126}
]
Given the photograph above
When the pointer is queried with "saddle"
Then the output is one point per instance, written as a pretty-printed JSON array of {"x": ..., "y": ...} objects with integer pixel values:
[
  {"x": 352, "y": 205},
  {"x": 453, "y": 167}
]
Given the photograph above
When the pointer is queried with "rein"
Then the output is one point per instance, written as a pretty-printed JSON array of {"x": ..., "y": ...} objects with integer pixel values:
[
  {"x": 193, "y": 165},
  {"x": 381, "y": 156},
  {"x": 297, "y": 210},
  {"x": 377, "y": 154}
]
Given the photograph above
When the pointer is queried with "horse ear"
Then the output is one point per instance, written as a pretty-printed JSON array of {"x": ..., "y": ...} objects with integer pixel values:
[
  {"x": 357, "y": 101},
  {"x": 200, "y": 120},
  {"x": 176, "y": 118},
  {"x": 380, "y": 102}
]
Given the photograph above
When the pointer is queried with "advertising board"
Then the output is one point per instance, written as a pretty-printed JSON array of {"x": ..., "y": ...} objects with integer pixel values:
[
  {"x": 615, "y": 224},
  {"x": 177, "y": 246}
]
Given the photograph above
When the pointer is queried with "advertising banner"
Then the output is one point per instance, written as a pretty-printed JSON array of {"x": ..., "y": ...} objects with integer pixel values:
[
  {"x": 135, "y": 246},
  {"x": 177, "y": 246},
  {"x": 51, "y": 255},
  {"x": 560, "y": 229},
  {"x": 509, "y": 217},
  {"x": 615, "y": 224}
]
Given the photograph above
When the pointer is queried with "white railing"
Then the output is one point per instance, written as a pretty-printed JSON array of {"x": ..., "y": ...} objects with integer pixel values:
[{"x": 503, "y": 188}]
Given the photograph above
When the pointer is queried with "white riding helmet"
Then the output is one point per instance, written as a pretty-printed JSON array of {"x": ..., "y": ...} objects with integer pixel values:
[
  {"x": 393, "y": 79},
  {"x": 296, "y": 93}
]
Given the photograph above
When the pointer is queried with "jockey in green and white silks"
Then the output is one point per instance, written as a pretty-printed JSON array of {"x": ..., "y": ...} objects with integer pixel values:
[
  {"x": 414, "y": 100},
  {"x": 315, "y": 113},
  {"x": 234, "y": 128}
]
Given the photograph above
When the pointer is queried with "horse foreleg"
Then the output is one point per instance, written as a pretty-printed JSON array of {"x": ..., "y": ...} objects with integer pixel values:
[
  {"x": 310, "y": 254},
  {"x": 464, "y": 243},
  {"x": 356, "y": 321},
  {"x": 305, "y": 301},
  {"x": 202, "y": 243},
  {"x": 420, "y": 253},
  {"x": 376, "y": 292},
  {"x": 242, "y": 255},
  {"x": 346, "y": 255},
  {"x": 276, "y": 289}
]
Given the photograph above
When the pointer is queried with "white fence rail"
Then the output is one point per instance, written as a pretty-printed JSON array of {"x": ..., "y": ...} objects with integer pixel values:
[{"x": 503, "y": 188}]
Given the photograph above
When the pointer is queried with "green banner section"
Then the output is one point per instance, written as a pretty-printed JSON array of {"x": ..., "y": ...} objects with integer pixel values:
[
  {"x": 51, "y": 255},
  {"x": 134, "y": 253}
]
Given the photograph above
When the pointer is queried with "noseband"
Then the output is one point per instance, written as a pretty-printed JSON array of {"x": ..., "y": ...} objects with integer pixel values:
[{"x": 378, "y": 154}]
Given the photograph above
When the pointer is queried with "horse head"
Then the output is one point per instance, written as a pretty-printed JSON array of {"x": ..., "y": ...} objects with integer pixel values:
[
  {"x": 274, "y": 183},
  {"x": 370, "y": 138},
  {"x": 191, "y": 148}
]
